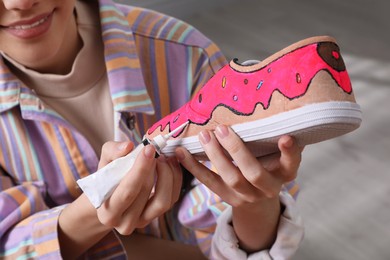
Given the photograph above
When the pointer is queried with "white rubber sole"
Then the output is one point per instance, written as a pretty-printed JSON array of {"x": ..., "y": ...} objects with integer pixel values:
[{"x": 309, "y": 124}]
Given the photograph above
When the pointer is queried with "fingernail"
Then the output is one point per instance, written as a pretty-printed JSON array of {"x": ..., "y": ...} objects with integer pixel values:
[
  {"x": 149, "y": 151},
  {"x": 289, "y": 143},
  {"x": 122, "y": 146},
  {"x": 180, "y": 155},
  {"x": 222, "y": 131},
  {"x": 204, "y": 137}
]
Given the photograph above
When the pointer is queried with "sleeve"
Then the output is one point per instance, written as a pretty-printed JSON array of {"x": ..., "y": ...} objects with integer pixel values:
[
  {"x": 208, "y": 216},
  {"x": 28, "y": 229},
  {"x": 289, "y": 236}
]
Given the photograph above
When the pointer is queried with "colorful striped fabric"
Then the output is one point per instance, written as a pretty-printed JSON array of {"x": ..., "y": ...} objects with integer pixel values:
[{"x": 154, "y": 63}]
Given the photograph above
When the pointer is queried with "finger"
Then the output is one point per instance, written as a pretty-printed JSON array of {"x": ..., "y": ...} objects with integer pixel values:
[
  {"x": 161, "y": 201},
  {"x": 210, "y": 179},
  {"x": 270, "y": 162},
  {"x": 177, "y": 179},
  {"x": 250, "y": 167},
  {"x": 290, "y": 159},
  {"x": 130, "y": 186},
  {"x": 131, "y": 217},
  {"x": 229, "y": 172},
  {"x": 113, "y": 150}
]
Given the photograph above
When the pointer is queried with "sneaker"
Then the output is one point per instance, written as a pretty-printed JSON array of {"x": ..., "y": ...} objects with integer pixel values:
[{"x": 303, "y": 91}]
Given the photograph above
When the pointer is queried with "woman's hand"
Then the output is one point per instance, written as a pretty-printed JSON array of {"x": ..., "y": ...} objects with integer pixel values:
[
  {"x": 250, "y": 185},
  {"x": 149, "y": 189}
]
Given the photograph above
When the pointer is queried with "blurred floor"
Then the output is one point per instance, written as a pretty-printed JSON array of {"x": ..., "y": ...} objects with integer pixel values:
[{"x": 345, "y": 182}]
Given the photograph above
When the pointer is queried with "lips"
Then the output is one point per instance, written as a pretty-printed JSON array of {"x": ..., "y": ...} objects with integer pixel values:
[{"x": 30, "y": 28}]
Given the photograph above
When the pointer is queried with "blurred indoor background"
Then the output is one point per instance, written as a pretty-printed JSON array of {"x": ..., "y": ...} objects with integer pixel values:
[{"x": 345, "y": 182}]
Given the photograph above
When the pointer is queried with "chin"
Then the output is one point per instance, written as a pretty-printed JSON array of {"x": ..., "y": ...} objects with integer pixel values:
[{"x": 38, "y": 59}]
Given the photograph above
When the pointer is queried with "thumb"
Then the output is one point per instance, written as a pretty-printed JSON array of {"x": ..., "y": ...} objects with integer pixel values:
[
  {"x": 290, "y": 159},
  {"x": 113, "y": 150}
]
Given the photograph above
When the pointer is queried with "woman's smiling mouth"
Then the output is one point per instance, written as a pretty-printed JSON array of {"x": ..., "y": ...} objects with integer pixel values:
[
  {"x": 30, "y": 29},
  {"x": 28, "y": 26}
]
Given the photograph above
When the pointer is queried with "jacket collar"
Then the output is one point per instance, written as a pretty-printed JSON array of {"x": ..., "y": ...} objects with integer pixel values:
[{"x": 9, "y": 88}]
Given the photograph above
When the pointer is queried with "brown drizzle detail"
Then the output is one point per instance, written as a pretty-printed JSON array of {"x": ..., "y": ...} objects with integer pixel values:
[
  {"x": 200, "y": 98},
  {"x": 330, "y": 53}
]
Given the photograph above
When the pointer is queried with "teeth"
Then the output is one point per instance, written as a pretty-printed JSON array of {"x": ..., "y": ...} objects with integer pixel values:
[{"x": 29, "y": 26}]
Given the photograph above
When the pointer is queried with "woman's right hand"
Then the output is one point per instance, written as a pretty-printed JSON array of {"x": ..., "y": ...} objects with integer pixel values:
[{"x": 149, "y": 189}]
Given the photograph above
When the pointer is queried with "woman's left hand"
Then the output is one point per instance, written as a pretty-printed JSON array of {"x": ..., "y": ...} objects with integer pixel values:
[{"x": 250, "y": 185}]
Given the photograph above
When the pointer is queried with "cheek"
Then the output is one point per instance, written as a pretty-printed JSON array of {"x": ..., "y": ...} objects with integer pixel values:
[{"x": 66, "y": 10}]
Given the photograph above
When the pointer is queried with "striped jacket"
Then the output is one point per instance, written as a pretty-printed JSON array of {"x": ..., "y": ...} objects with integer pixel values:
[{"x": 154, "y": 64}]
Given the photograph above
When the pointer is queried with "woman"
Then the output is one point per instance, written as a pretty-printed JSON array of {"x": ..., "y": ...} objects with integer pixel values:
[{"x": 84, "y": 79}]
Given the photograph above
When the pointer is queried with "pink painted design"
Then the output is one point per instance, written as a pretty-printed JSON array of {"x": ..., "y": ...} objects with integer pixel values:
[{"x": 290, "y": 74}]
